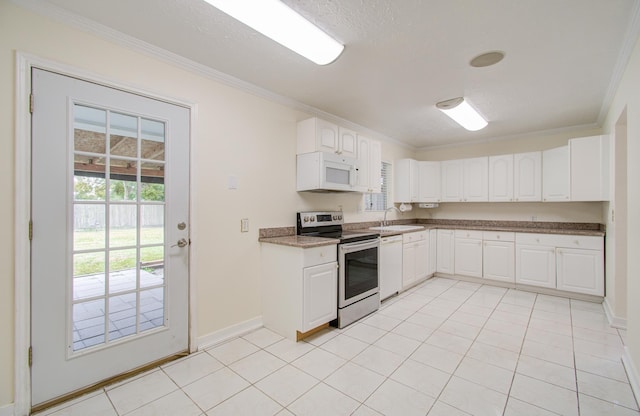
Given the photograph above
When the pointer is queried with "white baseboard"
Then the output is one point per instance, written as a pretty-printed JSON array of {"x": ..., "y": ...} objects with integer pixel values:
[
  {"x": 6, "y": 410},
  {"x": 632, "y": 373},
  {"x": 228, "y": 333},
  {"x": 614, "y": 321}
]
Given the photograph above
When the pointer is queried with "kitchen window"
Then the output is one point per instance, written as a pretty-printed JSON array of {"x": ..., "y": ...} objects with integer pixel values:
[{"x": 379, "y": 201}]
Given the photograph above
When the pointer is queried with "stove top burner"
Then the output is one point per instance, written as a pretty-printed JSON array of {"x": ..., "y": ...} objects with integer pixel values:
[{"x": 328, "y": 224}]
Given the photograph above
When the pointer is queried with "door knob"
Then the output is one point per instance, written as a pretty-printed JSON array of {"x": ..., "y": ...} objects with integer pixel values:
[{"x": 181, "y": 243}]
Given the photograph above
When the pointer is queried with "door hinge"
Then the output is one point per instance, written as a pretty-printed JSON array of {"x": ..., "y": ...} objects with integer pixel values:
[
  {"x": 30, "y": 230},
  {"x": 30, "y": 356},
  {"x": 31, "y": 103}
]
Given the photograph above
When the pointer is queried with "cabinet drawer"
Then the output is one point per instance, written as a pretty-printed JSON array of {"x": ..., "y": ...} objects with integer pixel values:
[
  {"x": 498, "y": 236},
  {"x": 561, "y": 240},
  {"x": 319, "y": 255},
  {"x": 477, "y": 235},
  {"x": 412, "y": 237}
]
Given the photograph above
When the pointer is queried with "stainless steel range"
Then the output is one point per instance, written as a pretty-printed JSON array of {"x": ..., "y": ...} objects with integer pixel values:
[{"x": 358, "y": 271}]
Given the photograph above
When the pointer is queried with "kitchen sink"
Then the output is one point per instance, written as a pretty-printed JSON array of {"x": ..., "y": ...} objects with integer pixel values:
[{"x": 398, "y": 228}]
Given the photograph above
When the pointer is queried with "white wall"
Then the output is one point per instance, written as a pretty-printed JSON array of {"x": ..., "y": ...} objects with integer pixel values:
[{"x": 235, "y": 133}]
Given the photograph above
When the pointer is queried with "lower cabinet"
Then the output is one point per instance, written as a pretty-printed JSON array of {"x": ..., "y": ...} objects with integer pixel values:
[
  {"x": 445, "y": 251},
  {"x": 299, "y": 288},
  {"x": 468, "y": 253},
  {"x": 433, "y": 252},
  {"x": 415, "y": 257},
  {"x": 498, "y": 256},
  {"x": 320, "y": 298},
  {"x": 580, "y": 271},
  {"x": 536, "y": 266}
]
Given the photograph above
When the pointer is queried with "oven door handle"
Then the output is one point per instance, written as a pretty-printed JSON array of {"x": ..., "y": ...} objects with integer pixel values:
[{"x": 350, "y": 247}]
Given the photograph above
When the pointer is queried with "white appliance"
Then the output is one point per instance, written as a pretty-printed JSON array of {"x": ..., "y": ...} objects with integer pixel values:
[
  {"x": 324, "y": 172},
  {"x": 390, "y": 266}
]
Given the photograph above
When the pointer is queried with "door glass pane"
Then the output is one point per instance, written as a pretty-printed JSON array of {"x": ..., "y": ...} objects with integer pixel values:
[
  {"x": 89, "y": 129},
  {"x": 88, "y": 226},
  {"x": 122, "y": 316},
  {"x": 123, "y": 180},
  {"x": 122, "y": 270},
  {"x": 123, "y": 135},
  {"x": 123, "y": 223},
  {"x": 151, "y": 308},
  {"x": 89, "y": 182},
  {"x": 152, "y": 182},
  {"x": 152, "y": 224},
  {"x": 88, "y": 324},
  {"x": 152, "y": 139},
  {"x": 151, "y": 266},
  {"x": 88, "y": 275}
]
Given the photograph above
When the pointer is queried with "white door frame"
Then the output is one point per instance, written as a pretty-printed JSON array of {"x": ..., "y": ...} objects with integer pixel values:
[{"x": 22, "y": 257}]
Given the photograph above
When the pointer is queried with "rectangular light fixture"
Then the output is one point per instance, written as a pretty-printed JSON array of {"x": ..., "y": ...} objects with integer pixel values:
[
  {"x": 462, "y": 113},
  {"x": 277, "y": 21}
]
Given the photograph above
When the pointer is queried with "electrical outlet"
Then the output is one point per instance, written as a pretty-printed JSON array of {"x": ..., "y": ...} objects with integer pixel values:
[{"x": 244, "y": 225}]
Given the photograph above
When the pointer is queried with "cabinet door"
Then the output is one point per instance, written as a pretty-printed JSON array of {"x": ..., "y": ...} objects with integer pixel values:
[
  {"x": 527, "y": 177},
  {"x": 408, "y": 264},
  {"x": 536, "y": 265},
  {"x": 429, "y": 181},
  {"x": 405, "y": 188},
  {"x": 452, "y": 180},
  {"x": 445, "y": 252},
  {"x": 589, "y": 168},
  {"x": 320, "y": 295},
  {"x": 476, "y": 179},
  {"x": 499, "y": 261},
  {"x": 348, "y": 143},
  {"x": 375, "y": 166},
  {"x": 468, "y": 257},
  {"x": 501, "y": 178},
  {"x": 422, "y": 259},
  {"x": 365, "y": 170},
  {"x": 433, "y": 251},
  {"x": 555, "y": 174},
  {"x": 580, "y": 271},
  {"x": 326, "y": 136}
]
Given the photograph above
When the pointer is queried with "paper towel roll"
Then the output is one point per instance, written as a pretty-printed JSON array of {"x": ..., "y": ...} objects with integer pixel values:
[{"x": 406, "y": 207}]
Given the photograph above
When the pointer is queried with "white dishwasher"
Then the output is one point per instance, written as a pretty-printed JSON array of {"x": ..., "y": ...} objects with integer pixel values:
[{"x": 390, "y": 265}]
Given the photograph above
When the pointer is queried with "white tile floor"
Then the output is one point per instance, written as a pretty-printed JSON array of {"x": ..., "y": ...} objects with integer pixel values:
[{"x": 445, "y": 347}]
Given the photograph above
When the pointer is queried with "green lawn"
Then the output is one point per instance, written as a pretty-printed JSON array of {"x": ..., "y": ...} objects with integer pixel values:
[{"x": 91, "y": 263}]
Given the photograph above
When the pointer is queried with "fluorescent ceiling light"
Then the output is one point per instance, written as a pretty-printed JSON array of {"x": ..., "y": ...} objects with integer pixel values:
[
  {"x": 277, "y": 21},
  {"x": 462, "y": 113}
]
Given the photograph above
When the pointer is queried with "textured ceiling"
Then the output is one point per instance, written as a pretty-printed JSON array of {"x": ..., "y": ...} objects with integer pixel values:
[{"x": 403, "y": 56}]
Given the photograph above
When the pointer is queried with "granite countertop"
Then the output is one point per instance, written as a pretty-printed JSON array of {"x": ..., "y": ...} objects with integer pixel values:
[{"x": 286, "y": 235}]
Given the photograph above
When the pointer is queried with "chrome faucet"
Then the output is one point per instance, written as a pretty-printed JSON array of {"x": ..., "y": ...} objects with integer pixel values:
[{"x": 384, "y": 221}]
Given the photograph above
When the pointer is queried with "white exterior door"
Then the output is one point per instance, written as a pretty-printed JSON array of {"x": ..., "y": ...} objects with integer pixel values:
[{"x": 110, "y": 247}]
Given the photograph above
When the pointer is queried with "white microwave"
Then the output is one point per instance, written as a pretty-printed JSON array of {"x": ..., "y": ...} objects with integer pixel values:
[{"x": 322, "y": 172}]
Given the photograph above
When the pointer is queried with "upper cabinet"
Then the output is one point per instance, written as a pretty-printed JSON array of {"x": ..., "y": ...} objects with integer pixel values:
[
  {"x": 428, "y": 181},
  {"x": 501, "y": 178},
  {"x": 589, "y": 168},
  {"x": 315, "y": 134},
  {"x": 465, "y": 180},
  {"x": 369, "y": 168},
  {"x": 556, "y": 177},
  {"x": 527, "y": 177},
  {"x": 405, "y": 181}
]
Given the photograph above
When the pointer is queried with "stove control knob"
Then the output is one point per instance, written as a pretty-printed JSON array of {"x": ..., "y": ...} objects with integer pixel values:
[
  {"x": 335, "y": 217},
  {"x": 313, "y": 219},
  {"x": 339, "y": 217},
  {"x": 306, "y": 219}
]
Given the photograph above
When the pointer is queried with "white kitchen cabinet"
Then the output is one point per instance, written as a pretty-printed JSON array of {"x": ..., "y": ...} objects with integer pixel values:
[
  {"x": 433, "y": 252},
  {"x": 476, "y": 179},
  {"x": 390, "y": 266},
  {"x": 319, "y": 286},
  {"x": 452, "y": 180},
  {"x": 428, "y": 181},
  {"x": 445, "y": 252},
  {"x": 556, "y": 175},
  {"x": 498, "y": 256},
  {"x": 468, "y": 253},
  {"x": 536, "y": 265},
  {"x": 527, "y": 177},
  {"x": 501, "y": 178},
  {"x": 415, "y": 256},
  {"x": 370, "y": 158},
  {"x": 589, "y": 168},
  {"x": 580, "y": 270},
  {"x": 299, "y": 288},
  {"x": 315, "y": 134},
  {"x": 405, "y": 181}
]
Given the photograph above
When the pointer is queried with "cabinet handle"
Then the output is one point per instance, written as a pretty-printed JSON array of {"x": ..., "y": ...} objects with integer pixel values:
[
  {"x": 498, "y": 237},
  {"x": 577, "y": 242}
]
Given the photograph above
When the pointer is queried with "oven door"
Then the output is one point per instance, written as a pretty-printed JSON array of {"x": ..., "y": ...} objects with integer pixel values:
[{"x": 358, "y": 271}]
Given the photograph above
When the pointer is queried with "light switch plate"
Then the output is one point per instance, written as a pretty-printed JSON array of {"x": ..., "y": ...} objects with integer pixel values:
[{"x": 244, "y": 225}]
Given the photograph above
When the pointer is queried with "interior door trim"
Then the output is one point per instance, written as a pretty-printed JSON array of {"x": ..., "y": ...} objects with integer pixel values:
[{"x": 22, "y": 211}]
